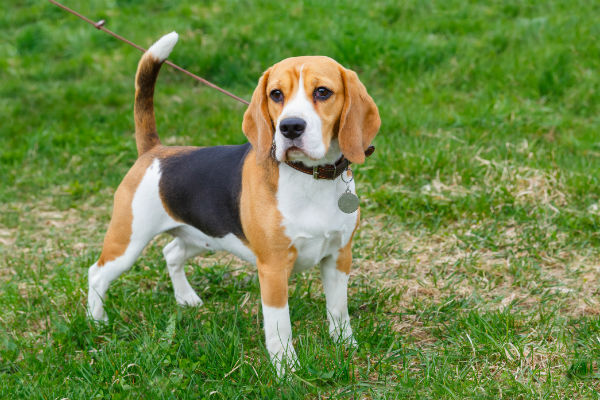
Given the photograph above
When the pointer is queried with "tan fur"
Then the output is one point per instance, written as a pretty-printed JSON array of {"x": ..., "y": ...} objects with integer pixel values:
[
  {"x": 359, "y": 122},
  {"x": 146, "y": 136},
  {"x": 261, "y": 221},
  {"x": 118, "y": 234},
  {"x": 257, "y": 124}
]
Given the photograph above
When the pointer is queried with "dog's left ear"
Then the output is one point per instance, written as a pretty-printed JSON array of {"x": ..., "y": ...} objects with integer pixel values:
[
  {"x": 257, "y": 124},
  {"x": 359, "y": 120}
]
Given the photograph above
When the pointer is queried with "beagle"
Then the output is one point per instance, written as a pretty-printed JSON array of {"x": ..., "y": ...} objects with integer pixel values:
[{"x": 255, "y": 200}]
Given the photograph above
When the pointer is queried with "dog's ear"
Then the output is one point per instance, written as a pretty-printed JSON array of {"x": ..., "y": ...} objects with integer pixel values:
[
  {"x": 359, "y": 120},
  {"x": 257, "y": 124}
]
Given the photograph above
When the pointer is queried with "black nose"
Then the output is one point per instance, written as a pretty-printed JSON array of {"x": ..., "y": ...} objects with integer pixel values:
[{"x": 291, "y": 128}]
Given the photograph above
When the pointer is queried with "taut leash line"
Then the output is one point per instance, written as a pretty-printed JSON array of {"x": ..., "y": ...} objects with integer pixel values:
[{"x": 100, "y": 26}]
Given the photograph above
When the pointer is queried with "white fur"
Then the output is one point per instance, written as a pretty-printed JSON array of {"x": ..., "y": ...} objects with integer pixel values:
[
  {"x": 311, "y": 141},
  {"x": 163, "y": 46},
  {"x": 335, "y": 285},
  {"x": 229, "y": 242},
  {"x": 311, "y": 217},
  {"x": 190, "y": 242},
  {"x": 278, "y": 337},
  {"x": 175, "y": 254}
]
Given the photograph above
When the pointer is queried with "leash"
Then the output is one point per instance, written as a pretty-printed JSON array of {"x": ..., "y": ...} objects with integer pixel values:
[{"x": 100, "y": 26}]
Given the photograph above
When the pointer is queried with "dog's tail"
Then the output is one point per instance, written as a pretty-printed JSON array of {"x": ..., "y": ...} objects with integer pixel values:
[{"x": 146, "y": 136}]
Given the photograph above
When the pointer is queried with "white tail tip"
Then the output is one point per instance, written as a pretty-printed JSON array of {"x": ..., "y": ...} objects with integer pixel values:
[{"x": 163, "y": 46}]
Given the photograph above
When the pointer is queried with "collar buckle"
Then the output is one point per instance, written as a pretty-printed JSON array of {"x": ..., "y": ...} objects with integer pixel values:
[{"x": 315, "y": 173}]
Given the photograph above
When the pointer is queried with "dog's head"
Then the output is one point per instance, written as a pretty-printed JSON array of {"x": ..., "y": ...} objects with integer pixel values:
[{"x": 311, "y": 105}]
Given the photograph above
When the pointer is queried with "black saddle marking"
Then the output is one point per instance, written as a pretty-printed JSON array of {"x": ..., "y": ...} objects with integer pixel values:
[{"x": 202, "y": 188}]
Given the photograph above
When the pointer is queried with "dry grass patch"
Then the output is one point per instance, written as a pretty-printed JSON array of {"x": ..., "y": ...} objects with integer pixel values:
[
  {"x": 531, "y": 186},
  {"x": 527, "y": 185},
  {"x": 433, "y": 266}
]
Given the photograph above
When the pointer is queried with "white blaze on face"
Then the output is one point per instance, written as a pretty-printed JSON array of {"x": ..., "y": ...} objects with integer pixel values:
[{"x": 311, "y": 141}]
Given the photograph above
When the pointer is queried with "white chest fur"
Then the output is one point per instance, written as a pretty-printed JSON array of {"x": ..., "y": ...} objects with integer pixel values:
[{"x": 311, "y": 217}]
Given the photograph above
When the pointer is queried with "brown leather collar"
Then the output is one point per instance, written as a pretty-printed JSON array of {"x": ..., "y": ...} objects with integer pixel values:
[{"x": 327, "y": 171}]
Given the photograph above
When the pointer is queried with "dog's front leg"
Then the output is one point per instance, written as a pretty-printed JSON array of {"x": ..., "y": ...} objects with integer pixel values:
[
  {"x": 335, "y": 274},
  {"x": 276, "y": 314}
]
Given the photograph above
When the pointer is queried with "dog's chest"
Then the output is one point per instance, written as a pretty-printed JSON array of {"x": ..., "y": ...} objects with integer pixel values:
[{"x": 311, "y": 217}]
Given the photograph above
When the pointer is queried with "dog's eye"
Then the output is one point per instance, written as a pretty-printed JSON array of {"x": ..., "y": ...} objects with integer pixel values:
[
  {"x": 276, "y": 96},
  {"x": 322, "y": 93}
]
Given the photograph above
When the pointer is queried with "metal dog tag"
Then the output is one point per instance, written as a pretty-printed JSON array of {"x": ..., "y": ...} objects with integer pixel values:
[{"x": 348, "y": 202}]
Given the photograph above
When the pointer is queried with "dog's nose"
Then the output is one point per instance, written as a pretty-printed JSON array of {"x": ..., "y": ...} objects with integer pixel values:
[{"x": 291, "y": 128}]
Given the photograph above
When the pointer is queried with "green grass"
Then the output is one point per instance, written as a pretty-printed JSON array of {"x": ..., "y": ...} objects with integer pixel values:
[{"x": 476, "y": 265}]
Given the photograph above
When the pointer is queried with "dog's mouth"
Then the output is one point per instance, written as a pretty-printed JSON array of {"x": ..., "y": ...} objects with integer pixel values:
[{"x": 295, "y": 153}]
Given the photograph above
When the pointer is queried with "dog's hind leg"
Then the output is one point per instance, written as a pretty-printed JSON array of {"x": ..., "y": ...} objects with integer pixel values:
[
  {"x": 138, "y": 216},
  {"x": 101, "y": 274},
  {"x": 176, "y": 253}
]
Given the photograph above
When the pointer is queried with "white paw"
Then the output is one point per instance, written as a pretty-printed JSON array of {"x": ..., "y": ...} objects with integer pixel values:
[
  {"x": 188, "y": 298},
  {"x": 95, "y": 309},
  {"x": 96, "y": 313},
  {"x": 351, "y": 342},
  {"x": 284, "y": 360},
  {"x": 343, "y": 334},
  {"x": 101, "y": 318}
]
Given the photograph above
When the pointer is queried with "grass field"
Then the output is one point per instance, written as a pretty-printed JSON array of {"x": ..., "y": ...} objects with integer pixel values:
[{"x": 477, "y": 261}]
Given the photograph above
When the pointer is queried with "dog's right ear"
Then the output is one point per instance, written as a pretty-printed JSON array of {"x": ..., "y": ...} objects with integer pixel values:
[{"x": 257, "y": 124}]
